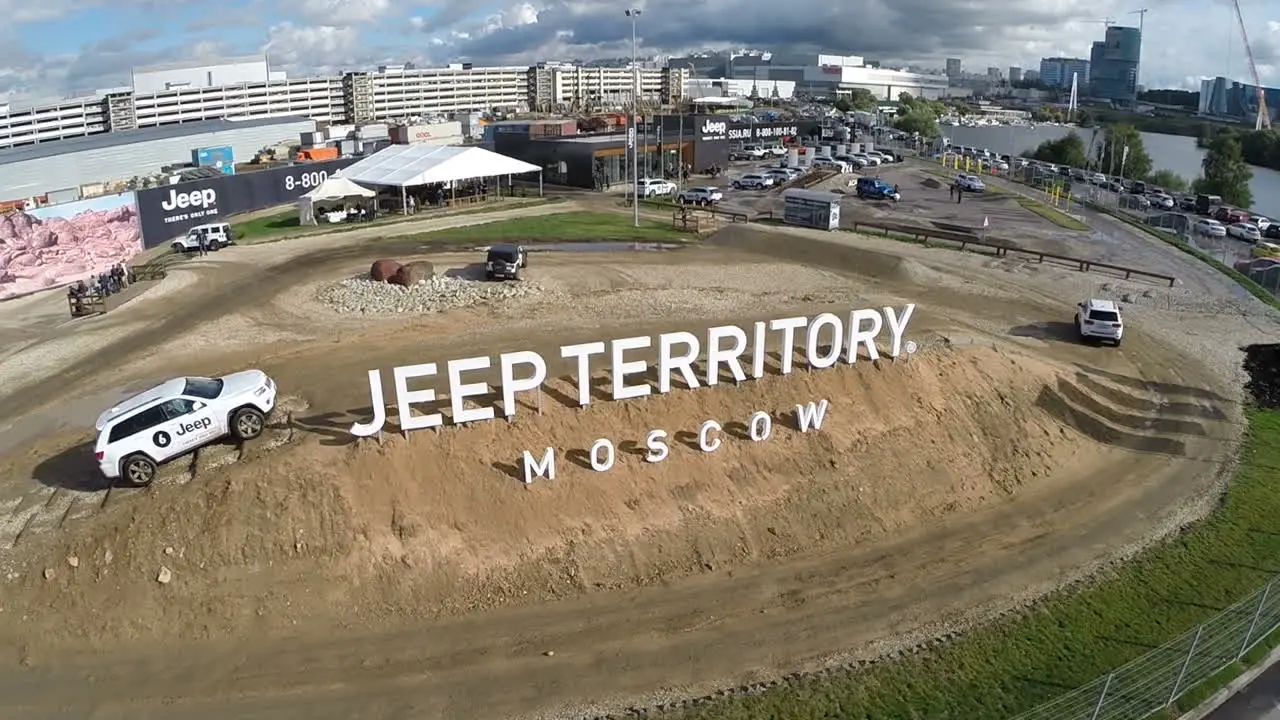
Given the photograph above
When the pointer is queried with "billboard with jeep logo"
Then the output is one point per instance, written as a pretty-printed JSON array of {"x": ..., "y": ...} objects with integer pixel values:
[{"x": 168, "y": 211}]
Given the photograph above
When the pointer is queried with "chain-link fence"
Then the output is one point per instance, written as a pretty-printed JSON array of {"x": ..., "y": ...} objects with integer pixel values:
[{"x": 1154, "y": 681}]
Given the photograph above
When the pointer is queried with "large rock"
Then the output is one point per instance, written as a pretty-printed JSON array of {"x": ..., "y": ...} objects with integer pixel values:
[
  {"x": 414, "y": 273},
  {"x": 384, "y": 270}
]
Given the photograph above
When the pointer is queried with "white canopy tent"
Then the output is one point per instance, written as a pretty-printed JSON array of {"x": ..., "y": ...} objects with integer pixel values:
[
  {"x": 334, "y": 189},
  {"x": 406, "y": 166}
]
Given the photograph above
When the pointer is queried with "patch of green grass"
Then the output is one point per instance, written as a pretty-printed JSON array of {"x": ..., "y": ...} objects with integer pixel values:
[
  {"x": 1074, "y": 637},
  {"x": 1057, "y": 217},
  {"x": 561, "y": 227},
  {"x": 284, "y": 225}
]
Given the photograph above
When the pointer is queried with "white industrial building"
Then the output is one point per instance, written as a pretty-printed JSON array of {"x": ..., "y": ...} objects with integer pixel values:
[
  {"x": 696, "y": 88},
  {"x": 188, "y": 75},
  {"x": 552, "y": 84},
  {"x": 839, "y": 75},
  {"x": 34, "y": 170}
]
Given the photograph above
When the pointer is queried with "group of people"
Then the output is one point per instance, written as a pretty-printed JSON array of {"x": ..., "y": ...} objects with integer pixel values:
[{"x": 114, "y": 280}]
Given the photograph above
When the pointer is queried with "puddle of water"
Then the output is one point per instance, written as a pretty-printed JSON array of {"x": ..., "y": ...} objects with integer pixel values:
[{"x": 604, "y": 247}]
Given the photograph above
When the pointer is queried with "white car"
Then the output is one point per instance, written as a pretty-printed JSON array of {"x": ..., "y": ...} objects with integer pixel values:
[
  {"x": 779, "y": 175},
  {"x": 178, "y": 416},
  {"x": 1209, "y": 228},
  {"x": 1261, "y": 222},
  {"x": 776, "y": 151},
  {"x": 700, "y": 196},
  {"x": 1247, "y": 232},
  {"x": 1162, "y": 201},
  {"x": 217, "y": 236},
  {"x": 866, "y": 159},
  {"x": 1100, "y": 320},
  {"x": 971, "y": 183},
  {"x": 753, "y": 181},
  {"x": 654, "y": 187},
  {"x": 826, "y": 162}
]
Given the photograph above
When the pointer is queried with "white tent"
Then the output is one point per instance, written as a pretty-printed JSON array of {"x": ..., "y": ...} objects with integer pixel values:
[
  {"x": 406, "y": 166},
  {"x": 333, "y": 189}
]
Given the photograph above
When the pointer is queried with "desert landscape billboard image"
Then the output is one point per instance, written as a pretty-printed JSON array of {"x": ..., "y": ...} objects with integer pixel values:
[{"x": 54, "y": 245}]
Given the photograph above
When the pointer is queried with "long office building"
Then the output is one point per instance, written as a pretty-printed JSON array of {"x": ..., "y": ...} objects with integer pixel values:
[
  {"x": 1222, "y": 97},
  {"x": 247, "y": 88}
]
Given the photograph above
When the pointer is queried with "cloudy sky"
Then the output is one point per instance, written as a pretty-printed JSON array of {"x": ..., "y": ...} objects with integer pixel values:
[{"x": 50, "y": 48}]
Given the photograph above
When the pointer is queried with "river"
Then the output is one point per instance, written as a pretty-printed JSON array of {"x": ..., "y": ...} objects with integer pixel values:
[{"x": 1168, "y": 152}]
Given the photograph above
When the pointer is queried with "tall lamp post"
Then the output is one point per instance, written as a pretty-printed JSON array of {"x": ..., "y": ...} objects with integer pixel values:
[{"x": 634, "y": 14}]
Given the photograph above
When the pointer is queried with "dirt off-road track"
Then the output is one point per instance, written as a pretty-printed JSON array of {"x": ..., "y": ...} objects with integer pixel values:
[{"x": 365, "y": 616}]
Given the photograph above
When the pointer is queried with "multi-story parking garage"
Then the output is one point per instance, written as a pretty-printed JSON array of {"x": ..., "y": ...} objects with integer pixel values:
[{"x": 249, "y": 89}]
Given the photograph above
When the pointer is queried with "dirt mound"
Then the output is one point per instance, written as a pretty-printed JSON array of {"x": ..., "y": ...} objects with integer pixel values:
[
  {"x": 1262, "y": 363},
  {"x": 439, "y": 522}
]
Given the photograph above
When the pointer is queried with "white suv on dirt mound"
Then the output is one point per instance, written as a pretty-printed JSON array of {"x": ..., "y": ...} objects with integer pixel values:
[
  {"x": 1100, "y": 320},
  {"x": 178, "y": 416}
]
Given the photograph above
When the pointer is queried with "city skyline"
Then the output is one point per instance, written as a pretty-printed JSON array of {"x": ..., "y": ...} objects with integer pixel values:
[{"x": 60, "y": 47}]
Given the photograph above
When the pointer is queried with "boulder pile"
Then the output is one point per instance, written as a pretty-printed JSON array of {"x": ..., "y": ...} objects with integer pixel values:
[
  {"x": 407, "y": 275},
  {"x": 392, "y": 288}
]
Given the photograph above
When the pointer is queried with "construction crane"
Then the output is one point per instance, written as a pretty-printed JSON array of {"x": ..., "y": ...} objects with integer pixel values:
[
  {"x": 1137, "y": 71},
  {"x": 1264, "y": 115},
  {"x": 1106, "y": 21}
]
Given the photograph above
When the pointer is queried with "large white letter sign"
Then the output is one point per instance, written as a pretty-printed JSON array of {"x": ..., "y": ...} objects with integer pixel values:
[
  {"x": 811, "y": 415},
  {"x": 759, "y": 350},
  {"x": 788, "y": 326},
  {"x": 858, "y": 336},
  {"x": 535, "y": 468},
  {"x": 717, "y": 355},
  {"x": 460, "y": 391},
  {"x": 598, "y": 463},
  {"x": 708, "y": 445},
  {"x": 657, "y": 444},
  {"x": 583, "y": 353},
  {"x": 898, "y": 326},
  {"x": 621, "y": 369},
  {"x": 760, "y": 426},
  {"x": 379, "y": 404},
  {"x": 812, "y": 348},
  {"x": 684, "y": 363},
  {"x": 510, "y": 385},
  {"x": 406, "y": 398}
]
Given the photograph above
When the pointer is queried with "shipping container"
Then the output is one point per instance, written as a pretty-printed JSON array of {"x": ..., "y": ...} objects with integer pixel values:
[
  {"x": 339, "y": 132},
  {"x": 319, "y": 153},
  {"x": 376, "y": 130},
  {"x": 434, "y": 134},
  {"x": 311, "y": 139},
  {"x": 65, "y": 195},
  {"x": 93, "y": 190}
]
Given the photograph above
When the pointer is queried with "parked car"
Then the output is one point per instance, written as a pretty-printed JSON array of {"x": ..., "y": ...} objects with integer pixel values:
[
  {"x": 1098, "y": 179},
  {"x": 656, "y": 187},
  {"x": 699, "y": 196},
  {"x": 178, "y": 416},
  {"x": 876, "y": 189},
  {"x": 1230, "y": 216},
  {"x": 1207, "y": 204},
  {"x": 1162, "y": 201},
  {"x": 1247, "y": 232},
  {"x": 971, "y": 183},
  {"x": 1187, "y": 203},
  {"x": 504, "y": 261},
  {"x": 867, "y": 160},
  {"x": 1099, "y": 320},
  {"x": 216, "y": 237},
  {"x": 1262, "y": 222},
  {"x": 832, "y": 163},
  {"x": 1266, "y": 250},
  {"x": 778, "y": 175},
  {"x": 1209, "y": 228},
  {"x": 753, "y": 181},
  {"x": 1272, "y": 232}
]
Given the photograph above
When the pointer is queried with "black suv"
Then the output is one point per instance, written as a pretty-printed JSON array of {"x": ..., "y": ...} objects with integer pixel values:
[
  {"x": 1272, "y": 232},
  {"x": 504, "y": 262}
]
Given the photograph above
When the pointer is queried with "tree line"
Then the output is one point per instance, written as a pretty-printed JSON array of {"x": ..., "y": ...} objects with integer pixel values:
[
  {"x": 1258, "y": 147},
  {"x": 1224, "y": 171}
]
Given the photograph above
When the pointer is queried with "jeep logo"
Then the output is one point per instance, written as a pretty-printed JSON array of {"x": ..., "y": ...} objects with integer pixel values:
[
  {"x": 193, "y": 199},
  {"x": 714, "y": 128},
  {"x": 193, "y": 426}
]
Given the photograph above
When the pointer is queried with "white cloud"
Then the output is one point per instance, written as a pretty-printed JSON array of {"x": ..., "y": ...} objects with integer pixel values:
[{"x": 342, "y": 12}]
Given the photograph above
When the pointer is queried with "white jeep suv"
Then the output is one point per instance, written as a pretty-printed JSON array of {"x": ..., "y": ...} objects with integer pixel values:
[
  {"x": 1099, "y": 319},
  {"x": 656, "y": 187},
  {"x": 178, "y": 416}
]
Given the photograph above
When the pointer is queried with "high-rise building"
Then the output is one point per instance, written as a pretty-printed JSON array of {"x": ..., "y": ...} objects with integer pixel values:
[
  {"x": 1057, "y": 71},
  {"x": 1226, "y": 98},
  {"x": 1031, "y": 75},
  {"x": 953, "y": 67},
  {"x": 994, "y": 74},
  {"x": 1113, "y": 64},
  {"x": 1015, "y": 74}
]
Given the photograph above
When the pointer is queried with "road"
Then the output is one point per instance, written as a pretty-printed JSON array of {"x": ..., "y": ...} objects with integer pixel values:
[{"x": 1260, "y": 700}]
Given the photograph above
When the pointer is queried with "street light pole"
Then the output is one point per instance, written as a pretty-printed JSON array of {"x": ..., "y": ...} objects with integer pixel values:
[{"x": 634, "y": 13}]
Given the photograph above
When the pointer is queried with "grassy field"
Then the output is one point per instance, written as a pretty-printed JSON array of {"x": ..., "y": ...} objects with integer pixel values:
[
  {"x": 562, "y": 227},
  {"x": 1053, "y": 215},
  {"x": 269, "y": 228},
  {"x": 1073, "y": 638}
]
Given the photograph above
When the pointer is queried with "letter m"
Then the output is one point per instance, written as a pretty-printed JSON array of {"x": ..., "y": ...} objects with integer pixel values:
[
  {"x": 810, "y": 416},
  {"x": 533, "y": 469}
]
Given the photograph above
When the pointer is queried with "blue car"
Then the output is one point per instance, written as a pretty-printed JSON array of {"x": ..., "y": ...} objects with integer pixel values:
[{"x": 877, "y": 189}]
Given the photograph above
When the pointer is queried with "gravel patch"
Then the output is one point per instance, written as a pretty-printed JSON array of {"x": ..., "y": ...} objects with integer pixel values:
[{"x": 362, "y": 296}]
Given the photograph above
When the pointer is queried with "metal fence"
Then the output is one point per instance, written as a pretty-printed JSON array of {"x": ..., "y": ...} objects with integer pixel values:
[{"x": 1155, "y": 680}]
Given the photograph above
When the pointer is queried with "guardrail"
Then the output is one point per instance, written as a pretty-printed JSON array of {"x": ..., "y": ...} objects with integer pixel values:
[
  {"x": 925, "y": 235},
  {"x": 732, "y": 216}
]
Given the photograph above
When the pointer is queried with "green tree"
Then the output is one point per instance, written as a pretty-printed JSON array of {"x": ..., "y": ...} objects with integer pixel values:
[
  {"x": 921, "y": 121},
  {"x": 1067, "y": 150},
  {"x": 1225, "y": 172},
  {"x": 863, "y": 100},
  {"x": 1168, "y": 180},
  {"x": 843, "y": 104},
  {"x": 1137, "y": 164}
]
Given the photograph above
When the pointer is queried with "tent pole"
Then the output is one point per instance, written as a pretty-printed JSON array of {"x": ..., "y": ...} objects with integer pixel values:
[
  {"x": 539, "y": 183},
  {"x": 404, "y": 200}
]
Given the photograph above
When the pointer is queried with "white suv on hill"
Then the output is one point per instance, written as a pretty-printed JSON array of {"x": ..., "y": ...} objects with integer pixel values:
[
  {"x": 1099, "y": 319},
  {"x": 178, "y": 416}
]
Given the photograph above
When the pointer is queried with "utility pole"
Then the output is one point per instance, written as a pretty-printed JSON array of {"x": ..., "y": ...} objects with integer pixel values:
[{"x": 634, "y": 14}]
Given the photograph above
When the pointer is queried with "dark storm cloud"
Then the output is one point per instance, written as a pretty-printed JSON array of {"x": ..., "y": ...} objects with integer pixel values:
[{"x": 896, "y": 29}]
